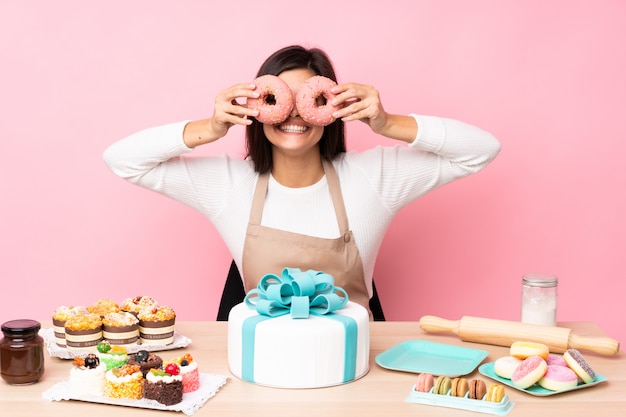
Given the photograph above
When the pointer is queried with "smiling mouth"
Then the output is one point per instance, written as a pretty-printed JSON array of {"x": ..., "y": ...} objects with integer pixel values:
[{"x": 290, "y": 128}]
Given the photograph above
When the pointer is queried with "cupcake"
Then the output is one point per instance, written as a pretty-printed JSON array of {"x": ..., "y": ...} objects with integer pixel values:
[
  {"x": 135, "y": 305},
  {"x": 87, "y": 376},
  {"x": 124, "y": 382},
  {"x": 189, "y": 372},
  {"x": 59, "y": 317},
  {"x": 165, "y": 386},
  {"x": 83, "y": 332},
  {"x": 120, "y": 328},
  {"x": 146, "y": 361},
  {"x": 156, "y": 325},
  {"x": 103, "y": 306},
  {"x": 112, "y": 356}
]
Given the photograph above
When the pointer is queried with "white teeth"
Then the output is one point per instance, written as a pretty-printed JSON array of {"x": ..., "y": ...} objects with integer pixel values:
[{"x": 292, "y": 128}]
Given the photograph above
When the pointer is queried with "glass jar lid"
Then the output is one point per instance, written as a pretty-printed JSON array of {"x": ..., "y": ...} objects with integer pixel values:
[
  {"x": 540, "y": 280},
  {"x": 21, "y": 326}
]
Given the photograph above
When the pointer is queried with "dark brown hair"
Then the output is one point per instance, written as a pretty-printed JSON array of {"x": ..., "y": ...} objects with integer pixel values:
[{"x": 332, "y": 143}]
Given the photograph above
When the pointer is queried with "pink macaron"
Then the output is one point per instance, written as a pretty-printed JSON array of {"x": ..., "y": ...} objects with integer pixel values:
[
  {"x": 529, "y": 372},
  {"x": 558, "y": 378},
  {"x": 424, "y": 382}
]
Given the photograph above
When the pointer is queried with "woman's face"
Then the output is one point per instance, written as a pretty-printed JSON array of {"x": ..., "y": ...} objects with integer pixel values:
[{"x": 294, "y": 136}]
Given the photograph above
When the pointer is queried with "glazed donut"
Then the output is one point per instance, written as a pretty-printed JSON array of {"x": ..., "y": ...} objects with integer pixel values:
[
  {"x": 275, "y": 101},
  {"x": 306, "y": 101}
]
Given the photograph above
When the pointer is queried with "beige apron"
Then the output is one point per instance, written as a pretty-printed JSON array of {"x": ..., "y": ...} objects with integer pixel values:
[{"x": 267, "y": 250}]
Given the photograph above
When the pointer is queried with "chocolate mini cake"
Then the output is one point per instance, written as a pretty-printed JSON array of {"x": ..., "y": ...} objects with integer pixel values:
[
  {"x": 166, "y": 387},
  {"x": 146, "y": 361}
]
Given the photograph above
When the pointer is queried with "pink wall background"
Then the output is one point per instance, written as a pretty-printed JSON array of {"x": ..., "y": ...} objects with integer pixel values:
[{"x": 547, "y": 78}]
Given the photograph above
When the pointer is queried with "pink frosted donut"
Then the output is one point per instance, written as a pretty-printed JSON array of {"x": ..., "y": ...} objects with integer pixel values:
[
  {"x": 554, "y": 359},
  {"x": 307, "y": 104},
  {"x": 558, "y": 378},
  {"x": 275, "y": 101},
  {"x": 531, "y": 370}
]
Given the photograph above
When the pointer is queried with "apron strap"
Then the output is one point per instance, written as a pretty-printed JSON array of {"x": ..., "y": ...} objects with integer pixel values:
[{"x": 333, "y": 186}]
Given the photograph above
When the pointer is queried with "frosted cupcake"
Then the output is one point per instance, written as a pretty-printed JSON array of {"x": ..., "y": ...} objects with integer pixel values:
[
  {"x": 124, "y": 382},
  {"x": 83, "y": 333},
  {"x": 103, "y": 307},
  {"x": 137, "y": 304},
  {"x": 87, "y": 376},
  {"x": 156, "y": 325},
  {"x": 120, "y": 329},
  {"x": 59, "y": 317}
]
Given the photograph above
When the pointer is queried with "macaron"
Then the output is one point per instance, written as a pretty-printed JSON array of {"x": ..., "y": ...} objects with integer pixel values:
[
  {"x": 424, "y": 382},
  {"x": 495, "y": 393},
  {"x": 558, "y": 378},
  {"x": 477, "y": 389},
  {"x": 442, "y": 385},
  {"x": 529, "y": 372},
  {"x": 523, "y": 350},
  {"x": 459, "y": 388},
  {"x": 505, "y": 366},
  {"x": 579, "y": 365}
]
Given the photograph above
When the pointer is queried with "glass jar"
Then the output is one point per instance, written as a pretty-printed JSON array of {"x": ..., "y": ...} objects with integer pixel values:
[
  {"x": 539, "y": 299},
  {"x": 21, "y": 352}
]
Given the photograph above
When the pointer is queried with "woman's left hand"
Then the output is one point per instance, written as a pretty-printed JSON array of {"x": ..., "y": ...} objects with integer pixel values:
[{"x": 360, "y": 102}]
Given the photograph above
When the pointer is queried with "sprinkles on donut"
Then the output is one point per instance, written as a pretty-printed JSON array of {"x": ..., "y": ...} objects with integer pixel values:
[
  {"x": 307, "y": 101},
  {"x": 275, "y": 101}
]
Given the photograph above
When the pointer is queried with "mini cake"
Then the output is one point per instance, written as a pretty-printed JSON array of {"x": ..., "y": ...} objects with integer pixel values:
[
  {"x": 59, "y": 317},
  {"x": 135, "y": 305},
  {"x": 120, "y": 328},
  {"x": 112, "y": 356},
  {"x": 87, "y": 376},
  {"x": 165, "y": 386},
  {"x": 124, "y": 382},
  {"x": 146, "y": 361},
  {"x": 156, "y": 325},
  {"x": 189, "y": 372},
  {"x": 83, "y": 332},
  {"x": 103, "y": 306}
]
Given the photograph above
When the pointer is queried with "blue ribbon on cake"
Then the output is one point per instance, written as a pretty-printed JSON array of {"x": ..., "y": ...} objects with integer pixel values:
[{"x": 301, "y": 294}]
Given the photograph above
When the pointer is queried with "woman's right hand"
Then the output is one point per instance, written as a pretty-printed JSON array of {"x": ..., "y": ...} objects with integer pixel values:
[{"x": 226, "y": 113}]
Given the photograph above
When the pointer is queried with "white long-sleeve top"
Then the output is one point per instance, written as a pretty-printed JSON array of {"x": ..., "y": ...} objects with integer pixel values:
[{"x": 375, "y": 183}]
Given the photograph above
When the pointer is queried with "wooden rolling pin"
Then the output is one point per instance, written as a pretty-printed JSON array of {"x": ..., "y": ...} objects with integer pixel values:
[{"x": 504, "y": 333}]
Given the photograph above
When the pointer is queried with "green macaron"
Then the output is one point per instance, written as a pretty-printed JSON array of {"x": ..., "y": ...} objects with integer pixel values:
[{"x": 442, "y": 385}]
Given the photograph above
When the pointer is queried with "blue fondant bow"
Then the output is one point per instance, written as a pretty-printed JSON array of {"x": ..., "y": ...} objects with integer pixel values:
[{"x": 296, "y": 292}]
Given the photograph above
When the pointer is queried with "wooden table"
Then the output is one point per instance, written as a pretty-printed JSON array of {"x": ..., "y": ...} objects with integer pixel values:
[{"x": 380, "y": 393}]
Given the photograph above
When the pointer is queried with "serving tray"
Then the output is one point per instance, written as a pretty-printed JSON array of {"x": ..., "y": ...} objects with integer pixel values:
[
  {"x": 501, "y": 408},
  {"x": 192, "y": 401},
  {"x": 487, "y": 370},
  {"x": 420, "y": 356}
]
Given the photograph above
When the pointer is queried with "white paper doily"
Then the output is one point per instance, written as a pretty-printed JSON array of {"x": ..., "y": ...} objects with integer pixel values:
[
  {"x": 191, "y": 403},
  {"x": 57, "y": 351}
]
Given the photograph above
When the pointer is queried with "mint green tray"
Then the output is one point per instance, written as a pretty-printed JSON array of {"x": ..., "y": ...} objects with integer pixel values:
[
  {"x": 463, "y": 403},
  {"x": 436, "y": 358},
  {"x": 488, "y": 371}
]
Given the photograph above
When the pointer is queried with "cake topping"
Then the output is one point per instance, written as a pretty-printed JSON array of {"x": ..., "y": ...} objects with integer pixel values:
[
  {"x": 157, "y": 313},
  {"x": 125, "y": 370},
  {"x": 118, "y": 350},
  {"x": 172, "y": 369},
  {"x": 142, "y": 356},
  {"x": 104, "y": 347},
  {"x": 91, "y": 361},
  {"x": 122, "y": 318}
]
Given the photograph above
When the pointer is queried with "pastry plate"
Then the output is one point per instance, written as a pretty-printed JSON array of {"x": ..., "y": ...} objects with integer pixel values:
[
  {"x": 192, "y": 401},
  {"x": 488, "y": 371},
  {"x": 57, "y": 351},
  {"x": 436, "y": 358}
]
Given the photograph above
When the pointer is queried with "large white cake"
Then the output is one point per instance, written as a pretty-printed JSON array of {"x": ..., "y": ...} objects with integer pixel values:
[{"x": 286, "y": 352}]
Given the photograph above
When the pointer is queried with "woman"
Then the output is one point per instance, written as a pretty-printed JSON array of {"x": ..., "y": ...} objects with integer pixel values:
[{"x": 299, "y": 199}]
